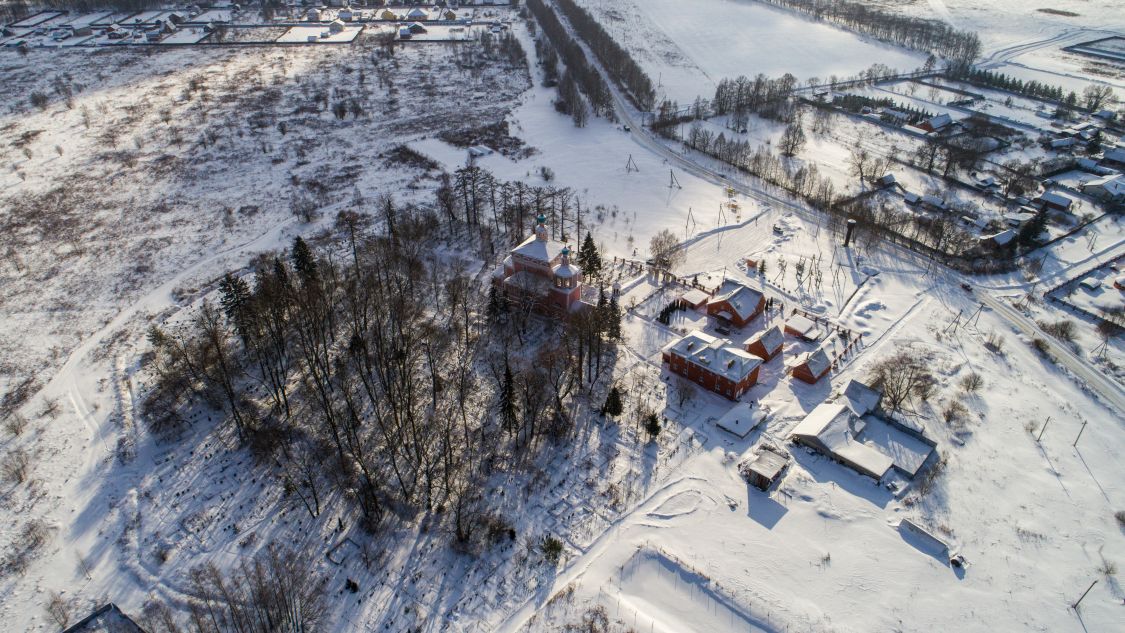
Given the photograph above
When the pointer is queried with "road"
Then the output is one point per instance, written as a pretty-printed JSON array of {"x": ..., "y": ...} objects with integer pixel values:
[{"x": 1111, "y": 392}]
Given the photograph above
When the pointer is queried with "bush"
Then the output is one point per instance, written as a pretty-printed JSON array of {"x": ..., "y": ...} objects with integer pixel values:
[
  {"x": 1042, "y": 346},
  {"x": 995, "y": 342},
  {"x": 16, "y": 466},
  {"x": 1063, "y": 330},
  {"x": 39, "y": 100},
  {"x": 58, "y": 609},
  {"x": 972, "y": 382},
  {"x": 15, "y": 424},
  {"x": 954, "y": 412}
]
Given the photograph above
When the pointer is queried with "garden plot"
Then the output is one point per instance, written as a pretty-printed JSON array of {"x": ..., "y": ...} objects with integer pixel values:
[
  {"x": 319, "y": 34},
  {"x": 447, "y": 33},
  {"x": 88, "y": 19},
  {"x": 214, "y": 15},
  {"x": 687, "y": 49},
  {"x": 38, "y": 19},
  {"x": 187, "y": 35},
  {"x": 672, "y": 598},
  {"x": 1007, "y": 106},
  {"x": 146, "y": 17}
]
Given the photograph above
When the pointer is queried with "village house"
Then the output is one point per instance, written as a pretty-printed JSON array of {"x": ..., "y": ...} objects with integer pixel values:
[
  {"x": 539, "y": 271},
  {"x": 832, "y": 430},
  {"x": 736, "y": 304},
  {"x": 741, "y": 419},
  {"x": 937, "y": 123},
  {"x": 811, "y": 366},
  {"x": 854, "y": 431},
  {"x": 694, "y": 299},
  {"x": 1115, "y": 157},
  {"x": 712, "y": 363},
  {"x": 1055, "y": 200},
  {"x": 1108, "y": 188},
  {"x": 802, "y": 327},
  {"x": 767, "y": 343},
  {"x": 105, "y": 619},
  {"x": 766, "y": 468}
]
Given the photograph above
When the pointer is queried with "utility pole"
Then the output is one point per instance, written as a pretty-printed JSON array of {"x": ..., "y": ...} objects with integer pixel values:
[
  {"x": 1075, "y": 444},
  {"x": 1075, "y": 605},
  {"x": 1043, "y": 429}
]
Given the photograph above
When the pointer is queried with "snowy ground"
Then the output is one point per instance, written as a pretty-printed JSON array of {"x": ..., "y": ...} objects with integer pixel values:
[
  {"x": 664, "y": 534},
  {"x": 125, "y": 200},
  {"x": 711, "y": 550},
  {"x": 688, "y": 49}
]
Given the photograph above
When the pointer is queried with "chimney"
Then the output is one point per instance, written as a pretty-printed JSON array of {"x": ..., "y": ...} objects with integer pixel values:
[{"x": 848, "y": 235}]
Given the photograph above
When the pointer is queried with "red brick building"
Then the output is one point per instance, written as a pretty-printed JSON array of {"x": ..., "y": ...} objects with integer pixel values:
[
  {"x": 539, "y": 271},
  {"x": 736, "y": 304},
  {"x": 812, "y": 366},
  {"x": 767, "y": 343},
  {"x": 712, "y": 363}
]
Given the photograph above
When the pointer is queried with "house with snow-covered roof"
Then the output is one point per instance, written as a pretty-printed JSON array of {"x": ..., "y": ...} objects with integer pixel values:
[
  {"x": 832, "y": 430},
  {"x": 1115, "y": 156},
  {"x": 539, "y": 271},
  {"x": 1111, "y": 188},
  {"x": 767, "y": 343},
  {"x": 1055, "y": 200},
  {"x": 736, "y": 304},
  {"x": 802, "y": 327},
  {"x": 713, "y": 363},
  {"x": 867, "y": 443},
  {"x": 811, "y": 366}
]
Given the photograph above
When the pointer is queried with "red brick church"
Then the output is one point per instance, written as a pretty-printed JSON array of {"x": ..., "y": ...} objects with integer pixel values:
[{"x": 539, "y": 270}]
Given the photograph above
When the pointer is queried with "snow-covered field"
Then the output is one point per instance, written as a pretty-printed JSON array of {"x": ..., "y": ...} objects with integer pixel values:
[
  {"x": 688, "y": 49},
  {"x": 147, "y": 174}
]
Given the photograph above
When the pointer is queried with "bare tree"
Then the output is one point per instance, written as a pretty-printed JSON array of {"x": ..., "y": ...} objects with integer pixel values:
[
  {"x": 665, "y": 251},
  {"x": 902, "y": 377}
]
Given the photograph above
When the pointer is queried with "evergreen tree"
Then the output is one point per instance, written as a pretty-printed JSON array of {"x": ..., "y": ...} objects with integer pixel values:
[
  {"x": 613, "y": 320},
  {"x": 236, "y": 305},
  {"x": 506, "y": 404},
  {"x": 613, "y": 406},
  {"x": 1029, "y": 232},
  {"x": 589, "y": 260},
  {"x": 303, "y": 261},
  {"x": 497, "y": 302},
  {"x": 652, "y": 425}
]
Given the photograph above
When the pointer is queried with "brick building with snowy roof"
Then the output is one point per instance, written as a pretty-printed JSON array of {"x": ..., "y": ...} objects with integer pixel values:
[
  {"x": 767, "y": 343},
  {"x": 539, "y": 271},
  {"x": 736, "y": 304},
  {"x": 713, "y": 363},
  {"x": 812, "y": 366}
]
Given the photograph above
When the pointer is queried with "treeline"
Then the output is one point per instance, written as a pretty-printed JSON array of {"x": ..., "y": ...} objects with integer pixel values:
[
  {"x": 473, "y": 198},
  {"x": 614, "y": 58},
  {"x": 767, "y": 97},
  {"x": 580, "y": 71},
  {"x": 804, "y": 182},
  {"x": 856, "y": 103},
  {"x": 506, "y": 45},
  {"x": 920, "y": 34},
  {"x": 992, "y": 79},
  {"x": 368, "y": 368},
  {"x": 276, "y": 590}
]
